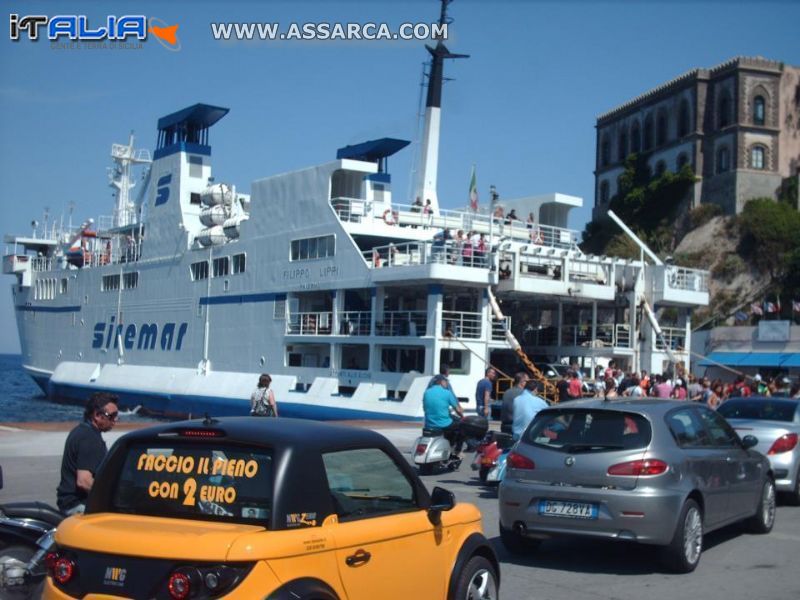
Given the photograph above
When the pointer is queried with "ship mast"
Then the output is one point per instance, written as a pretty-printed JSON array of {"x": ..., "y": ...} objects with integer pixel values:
[
  {"x": 429, "y": 157},
  {"x": 120, "y": 179}
]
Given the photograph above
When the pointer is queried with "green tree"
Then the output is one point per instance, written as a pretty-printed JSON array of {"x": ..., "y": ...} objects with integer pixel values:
[
  {"x": 771, "y": 237},
  {"x": 647, "y": 204}
]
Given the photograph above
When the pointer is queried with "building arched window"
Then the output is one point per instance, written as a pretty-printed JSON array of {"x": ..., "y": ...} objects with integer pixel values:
[
  {"x": 759, "y": 110},
  {"x": 723, "y": 160},
  {"x": 683, "y": 119},
  {"x": 636, "y": 137},
  {"x": 605, "y": 152},
  {"x": 757, "y": 155},
  {"x": 604, "y": 192},
  {"x": 648, "y": 132},
  {"x": 682, "y": 160},
  {"x": 661, "y": 166},
  {"x": 661, "y": 129},
  {"x": 724, "y": 111},
  {"x": 622, "y": 145}
]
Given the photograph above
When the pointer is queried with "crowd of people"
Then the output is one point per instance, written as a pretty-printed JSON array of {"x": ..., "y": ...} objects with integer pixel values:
[{"x": 612, "y": 382}]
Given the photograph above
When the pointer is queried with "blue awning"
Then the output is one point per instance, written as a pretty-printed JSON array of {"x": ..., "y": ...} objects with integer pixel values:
[
  {"x": 791, "y": 360},
  {"x": 751, "y": 359},
  {"x": 198, "y": 116},
  {"x": 372, "y": 150}
]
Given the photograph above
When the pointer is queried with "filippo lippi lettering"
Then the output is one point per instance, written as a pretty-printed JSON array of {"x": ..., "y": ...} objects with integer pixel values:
[{"x": 146, "y": 336}]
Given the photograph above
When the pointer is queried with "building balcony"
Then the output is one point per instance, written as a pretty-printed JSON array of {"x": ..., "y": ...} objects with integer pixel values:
[{"x": 679, "y": 286}]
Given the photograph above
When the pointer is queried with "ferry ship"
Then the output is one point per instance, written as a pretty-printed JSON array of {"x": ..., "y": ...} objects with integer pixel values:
[{"x": 350, "y": 299}]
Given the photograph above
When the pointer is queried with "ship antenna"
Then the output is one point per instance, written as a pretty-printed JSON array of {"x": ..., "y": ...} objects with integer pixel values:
[{"x": 429, "y": 159}]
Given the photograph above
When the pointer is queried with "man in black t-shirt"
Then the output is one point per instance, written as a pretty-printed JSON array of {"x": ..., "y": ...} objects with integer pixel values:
[
  {"x": 84, "y": 450},
  {"x": 563, "y": 388}
]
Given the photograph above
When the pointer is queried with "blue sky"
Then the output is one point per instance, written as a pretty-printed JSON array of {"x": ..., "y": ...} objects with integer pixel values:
[{"x": 522, "y": 108}]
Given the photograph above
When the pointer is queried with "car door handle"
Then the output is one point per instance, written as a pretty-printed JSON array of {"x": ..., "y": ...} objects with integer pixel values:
[{"x": 361, "y": 557}]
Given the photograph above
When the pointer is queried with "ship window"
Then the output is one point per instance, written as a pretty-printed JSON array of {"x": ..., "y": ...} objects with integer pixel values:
[
  {"x": 64, "y": 286},
  {"x": 109, "y": 283},
  {"x": 279, "y": 309},
  {"x": 457, "y": 360},
  {"x": 355, "y": 357},
  {"x": 199, "y": 270},
  {"x": 239, "y": 263},
  {"x": 221, "y": 266},
  {"x": 195, "y": 166},
  {"x": 402, "y": 359},
  {"x": 130, "y": 280},
  {"x": 313, "y": 248},
  {"x": 194, "y": 198}
]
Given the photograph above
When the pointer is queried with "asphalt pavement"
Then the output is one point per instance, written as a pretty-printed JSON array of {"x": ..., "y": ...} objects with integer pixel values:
[{"x": 734, "y": 566}]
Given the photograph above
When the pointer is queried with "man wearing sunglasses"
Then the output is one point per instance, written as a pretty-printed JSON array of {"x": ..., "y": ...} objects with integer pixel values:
[{"x": 84, "y": 450}]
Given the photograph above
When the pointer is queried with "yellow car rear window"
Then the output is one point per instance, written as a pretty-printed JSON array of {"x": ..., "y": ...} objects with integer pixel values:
[{"x": 196, "y": 482}]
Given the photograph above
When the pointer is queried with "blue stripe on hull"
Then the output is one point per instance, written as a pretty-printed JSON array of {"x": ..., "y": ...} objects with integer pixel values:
[{"x": 182, "y": 405}]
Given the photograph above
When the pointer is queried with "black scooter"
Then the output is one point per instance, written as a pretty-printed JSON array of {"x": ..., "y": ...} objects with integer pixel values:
[{"x": 26, "y": 534}]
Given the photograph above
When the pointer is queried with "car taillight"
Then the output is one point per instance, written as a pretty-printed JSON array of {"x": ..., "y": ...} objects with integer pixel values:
[
  {"x": 179, "y": 586},
  {"x": 785, "y": 443},
  {"x": 421, "y": 448},
  {"x": 518, "y": 461},
  {"x": 63, "y": 570},
  {"x": 639, "y": 468}
]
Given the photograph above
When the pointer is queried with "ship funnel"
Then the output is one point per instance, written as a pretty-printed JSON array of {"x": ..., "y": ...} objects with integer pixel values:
[{"x": 429, "y": 157}]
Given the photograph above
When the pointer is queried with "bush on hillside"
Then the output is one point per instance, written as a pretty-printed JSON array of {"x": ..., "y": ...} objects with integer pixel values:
[
  {"x": 770, "y": 235},
  {"x": 702, "y": 214}
]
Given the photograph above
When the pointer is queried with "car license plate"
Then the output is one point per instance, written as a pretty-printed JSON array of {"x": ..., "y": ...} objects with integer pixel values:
[{"x": 572, "y": 510}]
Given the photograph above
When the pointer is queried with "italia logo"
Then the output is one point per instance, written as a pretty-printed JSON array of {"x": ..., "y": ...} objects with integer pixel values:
[{"x": 79, "y": 28}]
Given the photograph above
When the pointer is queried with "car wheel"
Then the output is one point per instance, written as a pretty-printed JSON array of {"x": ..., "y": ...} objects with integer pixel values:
[
  {"x": 683, "y": 553},
  {"x": 764, "y": 518},
  {"x": 426, "y": 469},
  {"x": 516, "y": 543},
  {"x": 477, "y": 580}
]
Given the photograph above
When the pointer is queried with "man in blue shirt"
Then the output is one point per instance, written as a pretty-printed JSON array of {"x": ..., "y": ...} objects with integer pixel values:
[
  {"x": 437, "y": 402},
  {"x": 483, "y": 393},
  {"x": 526, "y": 407}
]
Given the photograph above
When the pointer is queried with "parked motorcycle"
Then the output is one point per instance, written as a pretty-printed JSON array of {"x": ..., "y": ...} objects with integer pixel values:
[
  {"x": 433, "y": 450},
  {"x": 26, "y": 534},
  {"x": 489, "y": 451}
]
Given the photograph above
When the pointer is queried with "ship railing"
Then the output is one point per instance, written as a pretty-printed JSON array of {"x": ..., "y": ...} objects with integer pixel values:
[
  {"x": 43, "y": 263},
  {"x": 683, "y": 278},
  {"x": 420, "y": 253},
  {"x": 582, "y": 270},
  {"x": 309, "y": 323},
  {"x": 467, "y": 221},
  {"x": 402, "y": 323},
  {"x": 465, "y": 325},
  {"x": 350, "y": 210},
  {"x": 355, "y": 322},
  {"x": 499, "y": 329},
  {"x": 674, "y": 338},
  {"x": 606, "y": 335}
]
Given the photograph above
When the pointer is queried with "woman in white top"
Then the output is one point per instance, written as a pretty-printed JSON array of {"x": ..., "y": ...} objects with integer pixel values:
[{"x": 262, "y": 400}]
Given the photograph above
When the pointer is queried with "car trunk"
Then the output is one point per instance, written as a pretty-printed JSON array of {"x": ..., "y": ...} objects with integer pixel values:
[
  {"x": 189, "y": 540},
  {"x": 576, "y": 447},
  {"x": 766, "y": 431}
]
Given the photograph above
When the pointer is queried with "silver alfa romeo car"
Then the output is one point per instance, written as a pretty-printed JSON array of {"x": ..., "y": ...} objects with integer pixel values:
[{"x": 652, "y": 471}]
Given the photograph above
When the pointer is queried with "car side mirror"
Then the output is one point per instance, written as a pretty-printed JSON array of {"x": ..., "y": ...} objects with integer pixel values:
[
  {"x": 441, "y": 500},
  {"x": 749, "y": 441}
]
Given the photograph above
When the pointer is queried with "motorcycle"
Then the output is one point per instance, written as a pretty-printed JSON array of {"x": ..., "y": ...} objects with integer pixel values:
[
  {"x": 432, "y": 449},
  {"x": 26, "y": 534},
  {"x": 489, "y": 452}
]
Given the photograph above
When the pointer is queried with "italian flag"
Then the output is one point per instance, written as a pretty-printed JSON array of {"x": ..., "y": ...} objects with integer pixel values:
[{"x": 473, "y": 191}]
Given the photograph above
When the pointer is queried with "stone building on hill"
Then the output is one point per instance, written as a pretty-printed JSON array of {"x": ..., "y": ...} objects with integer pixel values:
[{"x": 736, "y": 124}]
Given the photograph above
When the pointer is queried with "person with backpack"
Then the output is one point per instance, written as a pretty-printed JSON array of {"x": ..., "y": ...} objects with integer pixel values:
[{"x": 262, "y": 400}]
